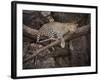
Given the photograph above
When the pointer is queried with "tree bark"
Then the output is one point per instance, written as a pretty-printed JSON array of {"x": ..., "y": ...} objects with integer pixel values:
[{"x": 29, "y": 32}]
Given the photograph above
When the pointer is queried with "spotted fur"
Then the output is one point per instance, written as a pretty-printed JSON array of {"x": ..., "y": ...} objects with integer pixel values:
[{"x": 56, "y": 30}]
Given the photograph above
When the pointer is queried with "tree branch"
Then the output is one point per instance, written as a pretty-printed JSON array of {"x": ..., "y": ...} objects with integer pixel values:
[
  {"x": 79, "y": 32},
  {"x": 29, "y": 32}
]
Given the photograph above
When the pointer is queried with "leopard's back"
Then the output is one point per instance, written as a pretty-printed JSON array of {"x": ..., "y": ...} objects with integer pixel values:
[{"x": 46, "y": 30}]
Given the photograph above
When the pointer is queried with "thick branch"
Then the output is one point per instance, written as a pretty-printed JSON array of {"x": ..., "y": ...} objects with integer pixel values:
[
  {"x": 79, "y": 32},
  {"x": 29, "y": 32}
]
